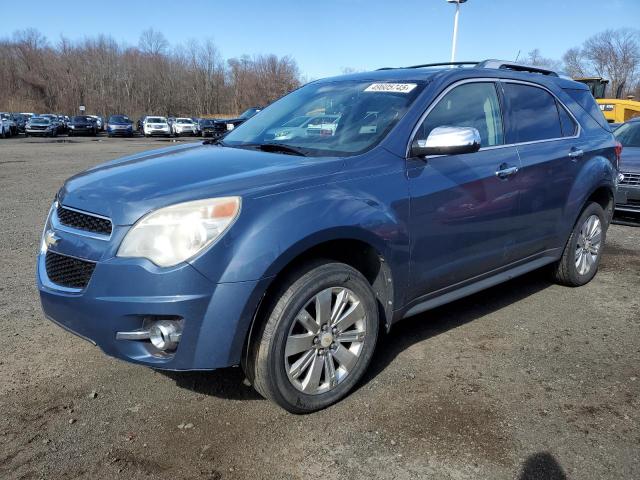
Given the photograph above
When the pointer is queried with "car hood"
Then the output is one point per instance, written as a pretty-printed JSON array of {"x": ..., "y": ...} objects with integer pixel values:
[
  {"x": 630, "y": 160},
  {"x": 127, "y": 188}
]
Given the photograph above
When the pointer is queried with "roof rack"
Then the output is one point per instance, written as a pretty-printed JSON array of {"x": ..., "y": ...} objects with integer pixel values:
[
  {"x": 440, "y": 64},
  {"x": 518, "y": 67},
  {"x": 498, "y": 64}
]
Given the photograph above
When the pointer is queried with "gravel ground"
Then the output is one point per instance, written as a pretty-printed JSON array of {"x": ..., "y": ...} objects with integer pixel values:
[{"x": 526, "y": 380}]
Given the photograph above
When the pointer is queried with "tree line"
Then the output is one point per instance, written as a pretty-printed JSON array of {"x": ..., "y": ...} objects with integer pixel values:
[
  {"x": 194, "y": 79},
  {"x": 613, "y": 55},
  {"x": 151, "y": 78}
]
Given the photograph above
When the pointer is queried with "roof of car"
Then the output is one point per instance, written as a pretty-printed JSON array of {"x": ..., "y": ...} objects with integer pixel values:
[{"x": 486, "y": 68}]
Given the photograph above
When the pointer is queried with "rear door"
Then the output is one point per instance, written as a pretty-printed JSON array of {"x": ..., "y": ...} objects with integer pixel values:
[
  {"x": 462, "y": 208},
  {"x": 547, "y": 139}
]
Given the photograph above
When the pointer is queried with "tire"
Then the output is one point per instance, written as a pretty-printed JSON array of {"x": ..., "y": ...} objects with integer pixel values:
[
  {"x": 274, "y": 376},
  {"x": 569, "y": 271}
]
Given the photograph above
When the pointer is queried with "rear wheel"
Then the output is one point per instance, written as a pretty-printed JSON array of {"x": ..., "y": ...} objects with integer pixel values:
[
  {"x": 583, "y": 251},
  {"x": 318, "y": 339}
]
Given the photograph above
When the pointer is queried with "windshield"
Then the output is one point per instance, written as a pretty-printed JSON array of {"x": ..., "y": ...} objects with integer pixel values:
[
  {"x": 118, "y": 119},
  {"x": 345, "y": 118},
  {"x": 184, "y": 120},
  {"x": 206, "y": 123},
  {"x": 156, "y": 120},
  {"x": 628, "y": 134},
  {"x": 249, "y": 113},
  {"x": 40, "y": 121},
  {"x": 81, "y": 119}
]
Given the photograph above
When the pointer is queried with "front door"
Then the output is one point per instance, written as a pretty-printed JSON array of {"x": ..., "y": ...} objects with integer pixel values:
[{"x": 463, "y": 206}]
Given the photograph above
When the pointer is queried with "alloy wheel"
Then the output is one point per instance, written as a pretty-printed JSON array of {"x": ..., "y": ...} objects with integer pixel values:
[
  {"x": 588, "y": 244},
  {"x": 325, "y": 341}
]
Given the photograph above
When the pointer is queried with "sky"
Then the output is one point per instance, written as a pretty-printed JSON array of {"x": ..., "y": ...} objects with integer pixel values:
[{"x": 327, "y": 36}]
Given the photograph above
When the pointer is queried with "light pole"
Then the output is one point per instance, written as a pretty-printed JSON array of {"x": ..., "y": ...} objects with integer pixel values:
[{"x": 455, "y": 28}]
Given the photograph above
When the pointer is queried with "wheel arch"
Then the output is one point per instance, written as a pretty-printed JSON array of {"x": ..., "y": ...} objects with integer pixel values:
[{"x": 353, "y": 250}]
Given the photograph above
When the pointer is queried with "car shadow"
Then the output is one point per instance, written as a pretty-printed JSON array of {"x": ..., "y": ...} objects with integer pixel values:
[
  {"x": 542, "y": 466},
  {"x": 230, "y": 383}
]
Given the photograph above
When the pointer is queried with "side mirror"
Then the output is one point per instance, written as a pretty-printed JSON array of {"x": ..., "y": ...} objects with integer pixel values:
[{"x": 447, "y": 141}]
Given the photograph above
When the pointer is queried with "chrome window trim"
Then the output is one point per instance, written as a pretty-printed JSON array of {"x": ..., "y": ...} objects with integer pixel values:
[
  {"x": 57, "y": 225},
  {"x": 494, "y": 81}
]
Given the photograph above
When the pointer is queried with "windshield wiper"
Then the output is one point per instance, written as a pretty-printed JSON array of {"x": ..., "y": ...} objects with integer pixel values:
[{"x": 280, "y": 147}]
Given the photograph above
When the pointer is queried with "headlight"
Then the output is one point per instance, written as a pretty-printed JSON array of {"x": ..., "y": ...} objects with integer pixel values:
[
  {"x": 230, "y": 126},
  {"x": 174, "y": 234}
]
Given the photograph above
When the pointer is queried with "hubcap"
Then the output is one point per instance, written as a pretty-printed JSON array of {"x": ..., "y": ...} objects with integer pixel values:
[
  {"x": 325, "y": 341},
  {"x": 588, "y": 245}
]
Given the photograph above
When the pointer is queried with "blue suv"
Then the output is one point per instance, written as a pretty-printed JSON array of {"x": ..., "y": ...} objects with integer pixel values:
[{"x": 407, "y": 188}]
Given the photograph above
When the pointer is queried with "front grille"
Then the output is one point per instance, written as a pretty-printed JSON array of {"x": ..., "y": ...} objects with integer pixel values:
[
  {"x": 633, "y": 203},
  {"x": 68, "y": 271},
  {"x": 631, "y": 179},
  {"x": 83, "y": 221}
]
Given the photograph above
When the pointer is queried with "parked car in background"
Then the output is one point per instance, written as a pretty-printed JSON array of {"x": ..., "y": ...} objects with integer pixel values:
[
  {"x": 43, "y": 126},
  {"x": 207, "y": 127},
  {"x": 99, "y": 122},
  {"x": 225, "y": 125},
  {"x": 140, "y": 124},
  {"x": 156, "y": 126},
  {"x": 119, "y": 125},
  {"x": 628, "y": 194},
  {"x": 21, "y": 121},
  {"x": 9, "y": 120},
  {"x": 82, "y": 125},
  {"x": 184, "y": 126},
  {"x": 64, "y": 123},
  {"x": 54, "y": 120}
]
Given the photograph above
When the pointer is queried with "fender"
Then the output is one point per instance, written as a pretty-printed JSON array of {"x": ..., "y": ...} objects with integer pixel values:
[{"x": 597, "y": 172}]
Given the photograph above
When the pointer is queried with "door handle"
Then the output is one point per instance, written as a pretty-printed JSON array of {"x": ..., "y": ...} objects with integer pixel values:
[
  {"x": 576, "y": 154},
  {"x": 507, "y": 172}
]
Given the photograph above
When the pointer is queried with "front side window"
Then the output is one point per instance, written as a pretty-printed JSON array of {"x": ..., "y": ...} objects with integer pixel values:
[
  {"x": 345, "y": 117},
  {"x": 469, "y": 105}
]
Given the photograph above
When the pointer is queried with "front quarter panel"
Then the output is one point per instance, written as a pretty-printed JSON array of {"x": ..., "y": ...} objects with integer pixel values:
[{"x": 367, "y": 202}]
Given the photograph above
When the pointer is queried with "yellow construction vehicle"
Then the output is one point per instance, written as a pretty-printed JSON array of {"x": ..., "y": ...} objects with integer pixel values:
[{"x": 616, "y": 110}]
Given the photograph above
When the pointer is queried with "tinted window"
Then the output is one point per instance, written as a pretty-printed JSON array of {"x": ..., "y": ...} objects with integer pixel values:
[
  {"x": 569, "y": 126},
  {"x": 533, "y": 112},
  {"x": 588, "y": 103},
  {"x": 628, "y": 134},
  {"x": 470, "y": 105}
]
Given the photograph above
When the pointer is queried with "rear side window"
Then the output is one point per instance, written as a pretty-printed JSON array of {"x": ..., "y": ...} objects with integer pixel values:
[
  {"x": 588, "y": 103},
  {"x": 469, "y": 105},
  {"x": 568, "y": 124},
  {"x": 534, "y": 113}
]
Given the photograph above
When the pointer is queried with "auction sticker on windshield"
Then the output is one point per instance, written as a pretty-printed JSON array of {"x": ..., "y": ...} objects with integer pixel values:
[{"x": 391, "y": 87}]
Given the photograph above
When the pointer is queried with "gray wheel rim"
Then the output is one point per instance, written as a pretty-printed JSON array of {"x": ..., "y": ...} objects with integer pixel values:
[
  {"x": 588, "y": 245},
  {"x": 325, "y": 341}
]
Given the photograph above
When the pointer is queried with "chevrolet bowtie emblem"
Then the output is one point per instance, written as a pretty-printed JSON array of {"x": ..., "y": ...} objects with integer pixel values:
[{"x": 50, "y": 238}]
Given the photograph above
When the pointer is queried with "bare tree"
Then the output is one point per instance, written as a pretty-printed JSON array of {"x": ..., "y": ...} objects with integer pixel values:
[
  {"x": 612, "y": 54},
  {"x": 153, "y": 42}
]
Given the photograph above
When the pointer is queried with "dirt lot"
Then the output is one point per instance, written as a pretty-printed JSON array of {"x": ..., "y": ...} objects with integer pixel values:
[{"x": 527, "y": 380}]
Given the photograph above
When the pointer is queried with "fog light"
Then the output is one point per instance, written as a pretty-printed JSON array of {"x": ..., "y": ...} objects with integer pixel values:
[{"x": 165, "y": 334}]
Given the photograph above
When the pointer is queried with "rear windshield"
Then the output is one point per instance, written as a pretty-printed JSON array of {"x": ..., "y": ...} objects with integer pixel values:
[{"x": 588, "y": 103}]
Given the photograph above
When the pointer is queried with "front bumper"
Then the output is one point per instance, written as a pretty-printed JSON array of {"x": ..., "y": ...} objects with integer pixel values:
[
  {"x": 123, "y": 292},
  {"x": 120, "y": 131},
  {"x": 33, "y": 132},
  {"x": 628, "y": 199}
]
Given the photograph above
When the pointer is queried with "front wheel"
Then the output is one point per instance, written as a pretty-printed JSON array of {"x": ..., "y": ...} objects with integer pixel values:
[
  {"x": 317, "y": 340},
  {"x": 583, "y": 251}
]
